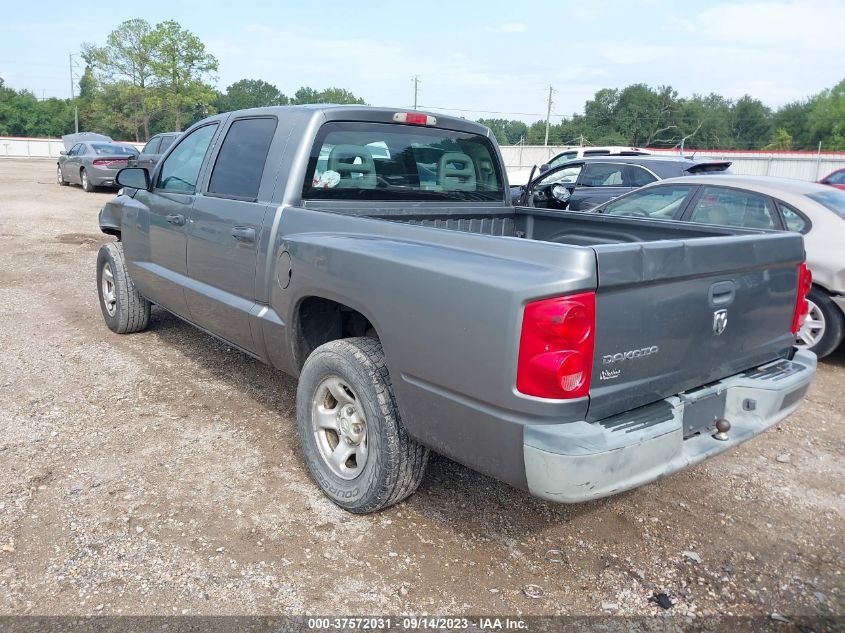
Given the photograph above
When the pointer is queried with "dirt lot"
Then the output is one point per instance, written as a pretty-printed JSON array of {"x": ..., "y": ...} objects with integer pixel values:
[{"x": 159, "y": 473}]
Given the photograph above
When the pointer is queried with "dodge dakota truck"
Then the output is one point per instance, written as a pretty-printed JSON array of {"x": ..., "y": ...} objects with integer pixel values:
[{"x": 376, "y": 255}]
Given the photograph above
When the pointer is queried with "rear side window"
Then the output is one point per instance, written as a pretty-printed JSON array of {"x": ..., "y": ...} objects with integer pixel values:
[
  {"x": 240, "y": 163},
  {"x": 662, "y": 203},
  {"x": 152, "y": 146},
  {"x": 602, "y": 175},
  {"x": 732, "y": 207},
  {"x": 793, "y": 220},
  {"x": 380, "y": 161},
  {"x": 166, "y": 142},
  {"x": 639, "y": 177}
]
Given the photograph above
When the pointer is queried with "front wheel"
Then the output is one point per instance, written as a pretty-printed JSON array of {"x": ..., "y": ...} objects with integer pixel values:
[
  {"x": 824, "y": 327},
  {"x": 60, "y": 177},
  {"x": 349, "y": 428},
  {"x": 124, "y": 309}
]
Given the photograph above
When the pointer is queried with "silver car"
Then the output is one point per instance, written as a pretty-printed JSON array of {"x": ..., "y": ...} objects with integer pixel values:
[
  {"x": 93, "y": 163},
  {"x": 761, "y": 202}
]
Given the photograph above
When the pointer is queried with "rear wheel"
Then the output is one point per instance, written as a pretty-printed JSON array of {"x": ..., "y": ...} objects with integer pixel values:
[
  {"x": 60, "y": 177},
  {"x": 824, "y": 327},
  {"x": 124, "y": 310},
  {"x": 86, "y": 183},
  {"x": 349, "y": 428}
]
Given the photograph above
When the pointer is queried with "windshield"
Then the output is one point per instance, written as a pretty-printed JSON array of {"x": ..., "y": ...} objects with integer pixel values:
[
  {"x": 378, "y": 161},
  {"x": 656, "y": 202},
  {"x": 833, "y": 200},
  {"x": 112, "y": 149}
]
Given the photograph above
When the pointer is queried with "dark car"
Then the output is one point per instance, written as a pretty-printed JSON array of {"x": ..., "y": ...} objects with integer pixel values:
[
  {"x": 835, "y": 179},
  {"x": 583, "y": 184},
  {"x": 154, "y": 149},
  {"x": 93, "y": 164}
]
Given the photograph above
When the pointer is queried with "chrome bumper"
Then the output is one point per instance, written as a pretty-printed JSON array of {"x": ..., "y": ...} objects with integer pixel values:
[{"x": 579, "y": 461}]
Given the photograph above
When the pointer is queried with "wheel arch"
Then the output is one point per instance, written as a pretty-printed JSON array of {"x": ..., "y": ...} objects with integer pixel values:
[{"x": 318, "y": 320}]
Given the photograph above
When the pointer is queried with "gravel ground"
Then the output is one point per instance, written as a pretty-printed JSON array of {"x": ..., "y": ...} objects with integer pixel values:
[{"x": 159, "y": 473}]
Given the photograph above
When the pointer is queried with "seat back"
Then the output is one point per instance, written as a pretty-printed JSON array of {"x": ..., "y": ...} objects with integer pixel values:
[
  {"x": 455, "y": 172},
  {"x": 355, "y": 165}
]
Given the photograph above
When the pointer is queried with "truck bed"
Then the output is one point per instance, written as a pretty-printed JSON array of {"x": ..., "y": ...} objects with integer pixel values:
[{"x": 561, "y": 227}]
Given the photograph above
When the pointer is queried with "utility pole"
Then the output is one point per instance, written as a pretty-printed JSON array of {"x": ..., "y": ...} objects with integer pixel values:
[
  {"x": 548, "y": 116},
  {"x": 416, "y": 81},
  {"x": 73, "y": 95}
]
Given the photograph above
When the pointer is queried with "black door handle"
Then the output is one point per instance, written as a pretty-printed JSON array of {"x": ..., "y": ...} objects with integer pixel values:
[
  {"x": 176, "y": 219},
  {"x": 243, "y": 234}
]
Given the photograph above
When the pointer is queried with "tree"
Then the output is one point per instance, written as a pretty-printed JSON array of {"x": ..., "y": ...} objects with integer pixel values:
[
  {"x": 307, "y": 95},
  {"x": 180, "y": 66},
  {"x": 827, "y": 118},
  {"x": 250, "y": 93},
  {"x": 782, "y": 140},
  {"x": 127, "y": 59},
  {"x": 751, "y": 123}
]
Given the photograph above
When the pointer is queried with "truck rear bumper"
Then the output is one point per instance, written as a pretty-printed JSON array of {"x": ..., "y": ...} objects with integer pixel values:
[{"x": 579, "y": 461}]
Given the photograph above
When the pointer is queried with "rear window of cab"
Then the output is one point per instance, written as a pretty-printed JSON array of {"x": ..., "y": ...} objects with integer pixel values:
[{"x": 378, "y": 161}]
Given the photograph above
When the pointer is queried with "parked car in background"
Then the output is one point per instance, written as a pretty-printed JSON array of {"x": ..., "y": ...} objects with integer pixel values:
[
  {"x": 835, "y": 179},
  {"x": 521, "y": 176},
  {"x": 153, "y": 150},
  {"x": 93, "y": 163},
  {"x": 583, "y": 184},
  {"x": 760, "y": 202}
]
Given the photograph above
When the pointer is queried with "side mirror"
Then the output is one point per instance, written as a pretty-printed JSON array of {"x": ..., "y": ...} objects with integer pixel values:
[
  {"x": 63, "y": 153},
  {"x": 133, "y": 177},
  {"x": 544, "y": 168}
]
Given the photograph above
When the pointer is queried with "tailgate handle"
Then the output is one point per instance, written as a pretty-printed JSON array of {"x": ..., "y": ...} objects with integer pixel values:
[{"x": 722, "y": 293}]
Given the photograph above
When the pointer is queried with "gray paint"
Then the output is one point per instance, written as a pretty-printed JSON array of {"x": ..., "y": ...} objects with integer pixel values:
[{"x": 443, "y": 284}]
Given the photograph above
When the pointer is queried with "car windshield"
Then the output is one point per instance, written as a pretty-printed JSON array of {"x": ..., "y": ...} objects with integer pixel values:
[
  {"x": 833, "y": 200},
  {"x": 377, "y": 161},
  {"x": 112, "y": 149}
]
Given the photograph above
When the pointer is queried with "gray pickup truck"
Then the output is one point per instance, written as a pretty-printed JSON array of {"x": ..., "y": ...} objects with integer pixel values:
[{"x": 375, "y": 254}]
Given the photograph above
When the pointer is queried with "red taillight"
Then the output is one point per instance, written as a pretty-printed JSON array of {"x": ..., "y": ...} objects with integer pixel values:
[
  {"x": 805, "y": 283},
  {"x": 556, "y": 347},
  {"x": 111, "y": 162},
  {"x": 414, "y": 118}
]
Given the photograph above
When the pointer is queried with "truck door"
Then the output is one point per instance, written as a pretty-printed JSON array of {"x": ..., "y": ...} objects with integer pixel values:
[
  {"x": 155, "y": 230},
  {"x": 225, "y": 231}
]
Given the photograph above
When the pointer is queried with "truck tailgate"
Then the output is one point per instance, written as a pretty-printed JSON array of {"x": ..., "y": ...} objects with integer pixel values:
[{"x": 676, "y": 314}]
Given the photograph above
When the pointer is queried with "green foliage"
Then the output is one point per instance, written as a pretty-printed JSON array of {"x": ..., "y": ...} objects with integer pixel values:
[
  {"x": 250, "y": 93},
  {"x": 307, "y": 95},
  {"x": 782, "y": 140}
]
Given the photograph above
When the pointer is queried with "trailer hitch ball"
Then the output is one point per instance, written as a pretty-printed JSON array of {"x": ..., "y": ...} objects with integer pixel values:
[{"x": 722, "y": 428}]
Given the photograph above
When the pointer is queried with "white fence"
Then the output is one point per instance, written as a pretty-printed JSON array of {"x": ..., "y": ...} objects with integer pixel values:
[
  {"x": 23, "y": 147},
  {"x": 798, "y": 165}
]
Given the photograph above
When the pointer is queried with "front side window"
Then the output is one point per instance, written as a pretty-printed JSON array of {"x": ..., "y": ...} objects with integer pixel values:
[
  {"x": 732, "y": 207},
  {"x": 152, "y": 146},
  {"x": 565, "y": 176},
  {"x": 662, "y": 202},
  {"x": 180, "y": 171},
  {"x": 240, "y": 163},
  {"x": 602, "y": 175},
  {"x": 378, "y": 161},
  {"x": 75, "y": 150}
]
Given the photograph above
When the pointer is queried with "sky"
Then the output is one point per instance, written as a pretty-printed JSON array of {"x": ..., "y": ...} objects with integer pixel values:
[{"x": 474, "y": 58}]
